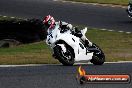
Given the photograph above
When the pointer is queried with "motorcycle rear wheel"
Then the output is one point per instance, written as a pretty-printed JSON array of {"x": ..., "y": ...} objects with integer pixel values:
[
  {"x": 98, "y": 57},
  {"x": 96, "y": 60}
]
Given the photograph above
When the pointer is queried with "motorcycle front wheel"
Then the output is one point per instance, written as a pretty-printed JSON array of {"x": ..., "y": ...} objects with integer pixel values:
[{"x": 66, "y": 58}]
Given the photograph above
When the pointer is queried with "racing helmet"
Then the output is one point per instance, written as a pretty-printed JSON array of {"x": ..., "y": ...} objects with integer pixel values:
[{"x": 49, "y": 22}]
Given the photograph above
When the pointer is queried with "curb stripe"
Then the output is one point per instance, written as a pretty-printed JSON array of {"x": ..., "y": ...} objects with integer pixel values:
[
  {"x": 98, "y": 4},
  {"x": 116, "y": 31},
  {"x": 110, "y": 30},
  {"x": 103, "y": 29},
  {"x": 100, "y": 29},
  {"x": 30, "y": 65},
  {"x": 120, "y": 31},
  {"x": 4, "y": 16},
  {"x": 12, "y": 17},
  {"x": 128, "y": 32}
]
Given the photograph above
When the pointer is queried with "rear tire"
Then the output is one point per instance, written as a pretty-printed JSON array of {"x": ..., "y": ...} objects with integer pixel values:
[
  {"x": 98, "y": 56},
  {"x": 97, "y": 61},
  {"x": 64, "y": 59}
]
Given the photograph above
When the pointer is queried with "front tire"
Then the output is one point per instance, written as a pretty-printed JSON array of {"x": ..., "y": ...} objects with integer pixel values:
[{"x": 65, "y": 59}]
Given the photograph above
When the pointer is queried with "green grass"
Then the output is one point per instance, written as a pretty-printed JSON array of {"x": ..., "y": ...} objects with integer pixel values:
[
  {"x": 36, "y": 53},
  {"x": 116, "y": 46},
  {"x": 116, "y": 2}
]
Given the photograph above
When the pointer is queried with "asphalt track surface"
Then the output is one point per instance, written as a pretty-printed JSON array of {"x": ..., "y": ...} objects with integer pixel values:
[
  {"x": 79, "y": 14},
  {"x": 58, "y": 76}
]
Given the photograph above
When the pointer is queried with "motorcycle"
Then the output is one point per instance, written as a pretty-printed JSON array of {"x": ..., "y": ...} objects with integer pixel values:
[
  {"x": 69, "y": 49},
  {"x": 129, "y": 10}
]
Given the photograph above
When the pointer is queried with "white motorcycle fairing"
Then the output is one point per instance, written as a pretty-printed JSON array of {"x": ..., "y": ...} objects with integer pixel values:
[{"x": 81, "y": 53}]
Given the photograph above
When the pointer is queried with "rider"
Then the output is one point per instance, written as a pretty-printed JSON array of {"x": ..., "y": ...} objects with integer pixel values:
[{"x": 50, "y": 23}]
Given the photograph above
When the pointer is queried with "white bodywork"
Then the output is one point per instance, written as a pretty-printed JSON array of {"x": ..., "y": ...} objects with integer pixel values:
[{"x": 81, "y": 54}]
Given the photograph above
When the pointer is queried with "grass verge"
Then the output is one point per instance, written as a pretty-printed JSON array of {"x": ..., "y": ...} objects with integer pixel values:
[
  {"x": 7, "y": 18},
  {"x": 116, "y": 46},
  {"x": 115, "y": 2}
]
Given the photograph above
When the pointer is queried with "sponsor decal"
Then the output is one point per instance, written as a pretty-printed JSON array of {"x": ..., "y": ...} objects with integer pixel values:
[{"x": 82, "y": 78}]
